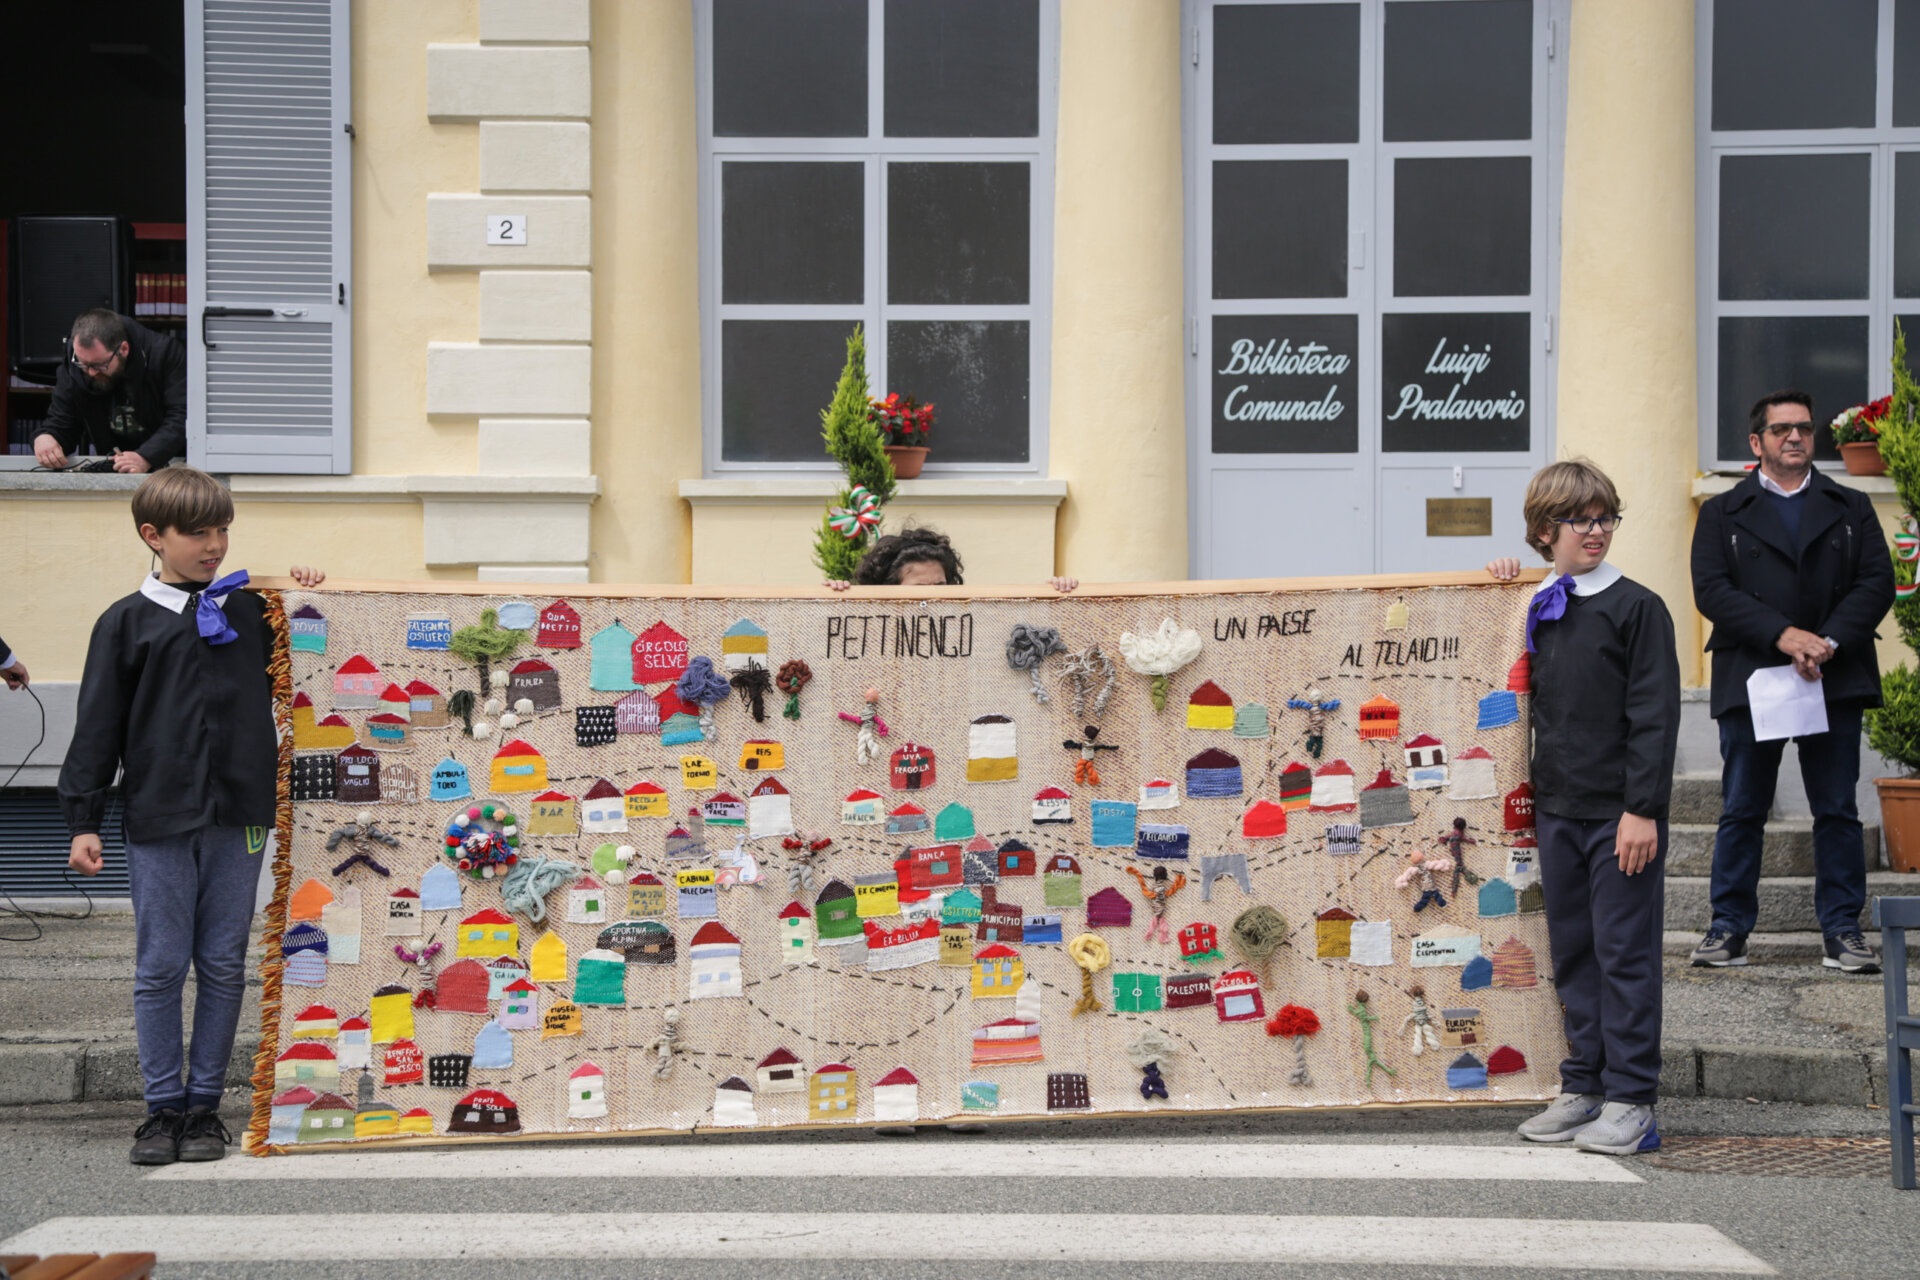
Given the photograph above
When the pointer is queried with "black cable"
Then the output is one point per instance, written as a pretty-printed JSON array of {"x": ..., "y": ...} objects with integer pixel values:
[{"x": 12, "y": 908}]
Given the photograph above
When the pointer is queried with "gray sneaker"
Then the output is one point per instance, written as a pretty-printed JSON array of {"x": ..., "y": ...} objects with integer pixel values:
[
  {"x": 1623, "y": 1129},
  {"x": 1849, "y": 953},
  {"x": 1567, "y": 1115},
  {"x": 1719, "y": 951}
]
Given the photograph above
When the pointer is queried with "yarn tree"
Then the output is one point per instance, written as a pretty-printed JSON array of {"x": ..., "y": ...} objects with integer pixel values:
[
  {"x": 1296, "y": 1022},
  {"x": 859, "y": 446},
  {"x": 483, "y": 644},
  {"x": 1893, "y": 728}
]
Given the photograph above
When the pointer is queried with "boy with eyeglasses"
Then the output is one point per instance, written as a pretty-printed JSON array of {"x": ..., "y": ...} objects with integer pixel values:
[
  {"x": 1605, "y": 710},
  {"x": 1790, "y": 567}
]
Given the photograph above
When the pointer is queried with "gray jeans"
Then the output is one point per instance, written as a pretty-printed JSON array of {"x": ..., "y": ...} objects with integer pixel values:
[{"x": 192, "y": 904}]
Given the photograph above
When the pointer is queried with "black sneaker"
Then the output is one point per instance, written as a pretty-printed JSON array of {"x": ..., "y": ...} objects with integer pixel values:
[
  {"x": 1719, "y": 951},
  {"x": 202, "y": 1136},
  {"x": 1848, "y": 953},
  {"x": 157, "y": 1140}
]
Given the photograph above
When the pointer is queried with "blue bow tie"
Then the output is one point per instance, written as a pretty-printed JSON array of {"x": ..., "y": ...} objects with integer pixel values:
[
  {"x": 1548, "y": 605},
  {"x": 210, "y": 617}
]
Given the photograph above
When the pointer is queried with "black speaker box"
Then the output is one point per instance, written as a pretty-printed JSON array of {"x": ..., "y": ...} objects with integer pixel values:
[{"x": 61, "y": 267}]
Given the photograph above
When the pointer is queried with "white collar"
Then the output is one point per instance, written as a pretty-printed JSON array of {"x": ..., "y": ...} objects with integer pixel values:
[
  {"x": 170, "y": 597},
  {"x": 1767, "y": 483},
  {"x": 1590, "y": 583}
]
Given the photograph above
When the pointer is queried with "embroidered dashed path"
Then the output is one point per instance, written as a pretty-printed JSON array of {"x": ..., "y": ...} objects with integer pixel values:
[{"x": 941, "y": 671}]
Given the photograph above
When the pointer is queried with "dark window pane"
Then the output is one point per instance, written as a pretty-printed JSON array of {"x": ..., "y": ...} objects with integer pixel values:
[
  {"x": 975, "y": 372},
  {"x": 792, "y": 232},
  {"x": 1459, "y": 71},
  {"x": 1286, "y": 384},
  {"x": 1463, "y": 227},
  {"x": 786, "y": 70},
  {"x": 1456, "y": 383},
  {"x": 1906, "y": 224},
  {"x": 1793, "y": 227},
  {"x": 1906, "y": 64},
  {"x": 1789, "y": 64},
  {"x": 1280, "y": 229},
  {"x": 1824, "y": 356},
  {"x": 957, "y": 233},
  {"x": 1910, "y": 325},
  {"x": 775, "y": 378},
  {"x": 963, "y": 68},
  {"x": 1286, "y": 73}
]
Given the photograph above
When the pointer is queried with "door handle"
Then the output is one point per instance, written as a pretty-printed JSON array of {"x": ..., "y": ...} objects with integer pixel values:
[{"x": 266, "y": 312}]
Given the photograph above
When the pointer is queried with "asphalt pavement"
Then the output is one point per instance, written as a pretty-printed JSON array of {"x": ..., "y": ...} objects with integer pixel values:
[{"x": 1408, "y": 1193}]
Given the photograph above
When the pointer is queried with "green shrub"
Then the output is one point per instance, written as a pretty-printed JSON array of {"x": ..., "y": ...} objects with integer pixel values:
[
  {"x": 1894, "y": 728},
  {"x": 860, "y": 449}
]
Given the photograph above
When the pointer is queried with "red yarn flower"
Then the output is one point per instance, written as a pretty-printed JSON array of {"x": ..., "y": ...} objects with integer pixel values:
[{"x": 1293, "y": 1020}]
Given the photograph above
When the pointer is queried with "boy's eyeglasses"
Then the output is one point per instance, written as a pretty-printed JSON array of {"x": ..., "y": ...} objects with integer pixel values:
[{"x": 1592, "y": 524}]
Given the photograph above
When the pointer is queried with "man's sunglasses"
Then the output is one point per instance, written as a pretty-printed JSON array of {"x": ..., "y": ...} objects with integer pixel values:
[{"x": 1781, "y": 430}]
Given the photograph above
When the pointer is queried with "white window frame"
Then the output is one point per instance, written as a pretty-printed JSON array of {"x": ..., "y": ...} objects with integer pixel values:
[
  {"x": 1880, "y": 306},
  {"x": 1370, "y": 258},
  {"x": 876, "y": 151}
]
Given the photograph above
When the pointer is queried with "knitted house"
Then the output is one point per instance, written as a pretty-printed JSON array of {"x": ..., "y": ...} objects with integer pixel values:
[
  {"x": 992, "y": 751},
  {"x": 954, "y": 822},
  {"x": 877, "y": 895},
  {"x": 896, "y": 1097},
  {"x": 1052, "y": 805},
  {"x": 1385, "y": 803},
  {"x": 308, "y": 1062},
  {"x": 1424, "y": 751},
  {"x": 1199, "y": 942},
  {"x": 796, "y": 934},
  {"x": 1017, "y": 858},
  {"x": 836, "y": 915},
  {"x": 1519, "y": 808},
  {"x": 394, "y": 701},
  {"x": 1067, "y": 1091},
  {"x": 461, "y": 987},
  {"x": 999, "y": 921},
  {"x": 1213, "y": 773},
  {"x": 357, "y": 683},
  {"x": 440, "y": 888},
  {"x": 997, "y": 971},
  {"x": 600, "y": 978},
  {"x": 769, "y": 810},
  {"x": 1158, "y": 793},
  {"x": 645, "y": 799},
  {"x": 488, "y": 932},
  {"x": 1513, "y": 965},
  {"x": 286, "y": 1112},
  {"x": 743, "y": 645},
  {"x": 305, "y": 949},
  {"x": 503, "y": 972},
  {"x": 907, "y": 819},
  {"x": 307, "y": 629},
  {"x": 733, "y": 1104},
  {"x": 485, "y": 1111},
  {"x": 558, "y": 627},
  {"x": 356, "y": 775},
  {"x": 328, "y": 1118},
  {"x": 1265, "y": 820},
  {"x": 355, "y": 1045},
  {"x": 1209, "y": 707},
  {"x": 449, "y": 781},
  {"x": 1041, "y": 928},
  {"x": 431, "y": 632},
  {"x": 449, "y": 1070},
  {"x": 586, "y": 1092},
  {"x": 1379, "y": 718},
  {"x": 724, "y": 809},
  {"x": 551, "y": 813},
  {"x": 1333, "y": 788},
  {"x": 1476, "y": 974},
  {"x": 547, "y": 958},
  {"x": 1236, "y": 996},
  {"x": 404, "y": 1062},
  {"x": 390, "y": 1010},
  {"x": 903, "y": 946},
  {"x": 398, "y": 784},
  {"x": 640, "y": 941},
  {"x": 492, "y": 1047},
  {"x": 316, "y": 1022},
  {"x": 1296, "y": 786},
  {"x": 1187, "y": 991},
  {"x": 980, "y": 862},
  {"x": 1472, "y": 775},
  {"x": 309, "y": 900},
  {"x": 956, "y": 946},
  {"x": 636, "y": 713},
  {"x": 1333, "y": 933},
  {"x": 1444, "y": 945},
  {"x": 1506, "y": 1061},
  {"x": 833, "y": 1092},
  {"x": 426, "y": 706},
  {"x": 387, "y": 731},
  {"x": 762, "y": 755},
  {"x": 517, "y": 767},
  {"x": 1113, "y": 823},
  {"x": 1159, "y": 842},
  {"x": 1467, "y": 1072},
  {"x": 781, "y": 1072},
  {"x": 713, "y": 963},
  {"x": 1497, "y": 709},
  {"x": 1061, "y": 882},
  {"x": 659, "y": 653},
  {"x": 1250, "y": 720},
  {"x": 861, "y": 808},
  {"x": 602, "y": 809},
  {"x": 1520, "y": 674},
  {"x": 535, "y": 680},
  {"x": 646, "y": 896},
  {"x": 911, "y": 768},
  {"x": 1109, "y": 908},
  {"x": 310, "y": 734},
  {"x": 926, "y": 869},
  {"x": 1008, "y": 1041},
  {"x": 1497, "y": 898},
  {"x": 962, "y": 906}
]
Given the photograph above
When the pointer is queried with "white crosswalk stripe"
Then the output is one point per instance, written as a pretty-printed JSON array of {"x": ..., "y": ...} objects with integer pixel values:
[
  {"x": 1065, "y": 1238},
  {"x": 1417, "y": 1161}
]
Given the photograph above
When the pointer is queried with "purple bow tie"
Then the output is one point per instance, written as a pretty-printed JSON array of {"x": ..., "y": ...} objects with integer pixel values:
[
  {"x": 1548, "y": 605},
  {"x": 210, "y": 617}
]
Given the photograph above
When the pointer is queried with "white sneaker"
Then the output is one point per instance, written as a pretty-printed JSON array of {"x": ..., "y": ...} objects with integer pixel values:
[
  {"x": 1623, "y": 1129},
  {"x": 1566, "y": 1116}
]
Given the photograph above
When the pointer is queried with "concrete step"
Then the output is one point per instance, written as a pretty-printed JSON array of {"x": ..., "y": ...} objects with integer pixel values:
[
  {"x": 1763, "y": 948},
  {"x": 1786, "y": 848},
  {"x": 1786, "y": 902},
  {"x": 1696, "y": 798}
]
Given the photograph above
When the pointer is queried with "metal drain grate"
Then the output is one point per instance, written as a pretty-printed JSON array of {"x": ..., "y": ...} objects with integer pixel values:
[{"x": 1777, "y": 1157}]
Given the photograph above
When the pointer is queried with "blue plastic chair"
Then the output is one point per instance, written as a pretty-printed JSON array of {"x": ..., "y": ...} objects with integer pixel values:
[{"x": 1893, "y": 917}]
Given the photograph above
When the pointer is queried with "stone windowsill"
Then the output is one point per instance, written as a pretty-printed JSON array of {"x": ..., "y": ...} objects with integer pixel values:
[
  {"x": 927, "y": 493},
  {"x": 1879, "y": 488},
  {"x": 260, "y": 488}
]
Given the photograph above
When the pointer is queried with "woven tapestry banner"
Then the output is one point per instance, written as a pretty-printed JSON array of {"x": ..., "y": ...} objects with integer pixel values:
[{"x": 653, "y": 862}]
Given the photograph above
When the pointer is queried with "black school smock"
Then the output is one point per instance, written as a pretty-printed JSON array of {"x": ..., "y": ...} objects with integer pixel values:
[
  {"x": 1606, "y": 702},
  {"x": 191, "y": 723}
]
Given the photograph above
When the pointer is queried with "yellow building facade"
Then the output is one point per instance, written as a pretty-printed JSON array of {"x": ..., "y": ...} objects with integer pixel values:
[{"x": 546, "y": 411}]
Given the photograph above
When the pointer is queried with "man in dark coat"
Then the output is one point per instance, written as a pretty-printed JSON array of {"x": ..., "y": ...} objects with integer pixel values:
[
  {"x": 1790, "y": 567},
  {"x": 123, "y": 389}
]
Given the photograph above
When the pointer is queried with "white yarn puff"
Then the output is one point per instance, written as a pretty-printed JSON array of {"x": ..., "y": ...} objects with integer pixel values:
[
  {"x": 1162, "y": 653},
  {"x": 524, "y": 706},
  {"x": 509, "y": 721},
  {"x": 498, "y": 679},
  {"x": 481, "y": 729}
]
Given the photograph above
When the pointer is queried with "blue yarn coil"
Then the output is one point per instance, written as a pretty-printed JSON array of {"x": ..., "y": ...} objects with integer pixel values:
[{"x": 526, "y": 887}]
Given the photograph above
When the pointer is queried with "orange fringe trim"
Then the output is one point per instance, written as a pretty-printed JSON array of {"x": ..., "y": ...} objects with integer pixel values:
[{"x": 281, "y": 669}]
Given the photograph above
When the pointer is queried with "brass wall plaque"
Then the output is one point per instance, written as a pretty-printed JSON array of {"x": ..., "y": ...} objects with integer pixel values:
[{"x": 1459, "y": 517}]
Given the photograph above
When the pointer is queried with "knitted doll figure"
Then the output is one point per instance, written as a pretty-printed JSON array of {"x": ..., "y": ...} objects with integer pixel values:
[
  {"x": 1421, "y": 866},
  {"x": 1420, "y": 1021},
  {"x": 872, "y": 727},
  {"x": 1367, "y": 1018},
  {"x": 1156, "y": 891},
  {"x": 1316, "y": 709},
  {"x": 1457, "y": 841},
  {"x": 664, "y": 1045},
  {"x": 1085, "y": 772}
]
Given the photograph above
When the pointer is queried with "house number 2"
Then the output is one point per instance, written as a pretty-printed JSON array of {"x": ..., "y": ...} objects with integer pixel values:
[{"x": 506, "y": 228}]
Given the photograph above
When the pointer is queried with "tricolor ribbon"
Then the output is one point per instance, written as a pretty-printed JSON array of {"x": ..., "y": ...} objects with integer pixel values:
[{"x": 853, "y": 521}]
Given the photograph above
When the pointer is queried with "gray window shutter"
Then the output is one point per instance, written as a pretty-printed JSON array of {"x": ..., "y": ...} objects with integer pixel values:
[{"x": 268, "y": 236}]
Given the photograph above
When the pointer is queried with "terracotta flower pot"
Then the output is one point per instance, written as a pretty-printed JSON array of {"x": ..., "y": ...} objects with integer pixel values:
[
  {"x": 1863, "y": 458},
  {"x": 907, "y": 459},
  {"x": 1900, "y": 821}
]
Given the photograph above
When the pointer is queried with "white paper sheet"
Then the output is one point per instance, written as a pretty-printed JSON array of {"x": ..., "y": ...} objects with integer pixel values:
[{"x": 1784, "y": 705}]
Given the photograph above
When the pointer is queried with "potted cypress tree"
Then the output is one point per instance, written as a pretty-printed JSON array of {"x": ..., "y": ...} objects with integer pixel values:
[
  {"x": 1893, "y": 729},
  {"x": 850, "y": 526}
]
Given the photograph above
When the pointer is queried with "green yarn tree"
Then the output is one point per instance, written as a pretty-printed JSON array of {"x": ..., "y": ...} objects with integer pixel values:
[
  {"x": 860, "y": 449},
  {"x": 1893, "y": 729},
  {"x": 482, "y": 643}
]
